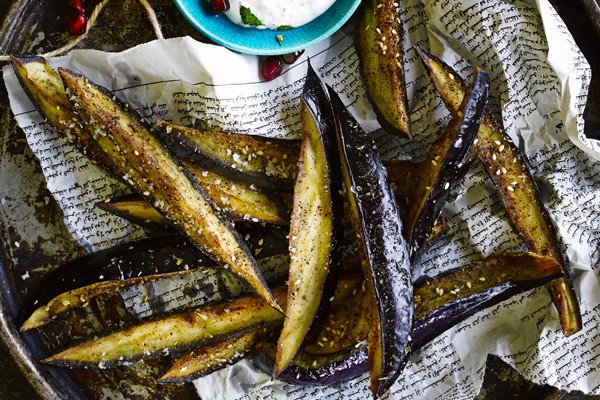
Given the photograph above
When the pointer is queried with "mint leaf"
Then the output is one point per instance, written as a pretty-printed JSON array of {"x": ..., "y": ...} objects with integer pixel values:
[
  {"x": 248, "y": 17},
  {"x": 284, "y": 27}
]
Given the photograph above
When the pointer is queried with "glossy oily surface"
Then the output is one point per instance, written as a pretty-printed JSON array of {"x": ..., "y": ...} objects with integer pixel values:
[{"x": 223, "y": 31}]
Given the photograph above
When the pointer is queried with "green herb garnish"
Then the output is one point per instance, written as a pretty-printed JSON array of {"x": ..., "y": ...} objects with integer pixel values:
[
  {"x": 248, "y": 17},
  {"x": 279, "y": 39},
  {"x": 284, "y": 27}
]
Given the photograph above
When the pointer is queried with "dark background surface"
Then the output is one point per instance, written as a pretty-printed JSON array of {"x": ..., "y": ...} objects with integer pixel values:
[{"x": 501, "y": 381}]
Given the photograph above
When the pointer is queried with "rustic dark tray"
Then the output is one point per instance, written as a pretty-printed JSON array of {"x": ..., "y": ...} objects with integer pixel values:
[{"x": 34, "y": 27}]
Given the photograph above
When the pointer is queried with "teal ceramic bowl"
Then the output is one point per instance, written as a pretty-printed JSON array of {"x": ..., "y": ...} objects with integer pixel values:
[{"x": 221, "y": 30}]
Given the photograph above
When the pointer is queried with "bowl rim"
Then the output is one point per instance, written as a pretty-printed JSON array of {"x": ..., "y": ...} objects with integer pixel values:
[{"x": 275, "y": 49}]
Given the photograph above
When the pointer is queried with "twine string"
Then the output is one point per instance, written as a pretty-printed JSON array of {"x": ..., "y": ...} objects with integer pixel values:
[{"x": 91, "y": 21}]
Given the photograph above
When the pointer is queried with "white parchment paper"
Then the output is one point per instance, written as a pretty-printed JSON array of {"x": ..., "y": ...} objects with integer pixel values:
[{"x": 539, "y": 84}]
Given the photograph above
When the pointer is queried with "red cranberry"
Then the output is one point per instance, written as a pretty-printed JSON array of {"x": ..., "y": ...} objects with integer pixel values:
[
  {"x": 76, "y": 25},
  {"x": 219, "y": 6},
  {"x": 271, "y": 68},
  {"x": 291, "y": 58}
]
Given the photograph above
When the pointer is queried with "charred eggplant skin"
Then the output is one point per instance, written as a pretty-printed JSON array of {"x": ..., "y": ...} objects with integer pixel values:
[
  {"x": 158, "y": 255},
  {"x": 515, "y": 185},
  {"x": 448, "y": 171},
  {"x": 315, "y": 223},
  {"x": 386, "y": 251},
  {"x": 317, "y": 370}
]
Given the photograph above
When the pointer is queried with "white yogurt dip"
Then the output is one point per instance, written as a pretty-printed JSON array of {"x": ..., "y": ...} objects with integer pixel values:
[{"x": 275, "y": 14}]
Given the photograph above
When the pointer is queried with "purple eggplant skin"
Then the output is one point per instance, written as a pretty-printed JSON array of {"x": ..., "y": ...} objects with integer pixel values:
[
  {"x": 319, "y": 370},
  {"x": 334, "y": 368},
  {"x": 451, "y": 169},
  {"x": 156, "y": 255},
  {"x": 438, "y": 321},
  {"x": 385, "y": 248}
]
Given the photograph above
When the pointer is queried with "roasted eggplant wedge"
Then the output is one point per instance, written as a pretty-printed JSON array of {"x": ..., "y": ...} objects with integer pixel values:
[
  {"x": 208, "y": 359},
  {"x": 387, "y": 264},
  {"x": 136, "y": 209},
  {"x": 515, "y": 185},
  {"x": 442, "y": 168},
  {"x": 435, "y": 313},
  {"x": 144, "y": 162},
  {"x": 161, "y": 254},
  {"x": 449, "y": 298},
  {"x": 315, "y": 224},
  {"x": 79, "y": 298},
  {"x": 257, "y": 156},
  {"x": 379, "y": 47}
]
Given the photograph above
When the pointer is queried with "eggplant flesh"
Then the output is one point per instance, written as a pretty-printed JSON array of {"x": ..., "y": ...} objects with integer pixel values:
[
  {"x": 46, "y": 90},
  {"x": 141, "y": 159},
  {"x": 378, "y": 224},
  {"x": 515, "y": 186},
  {"x": 314, "y": 224}
]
